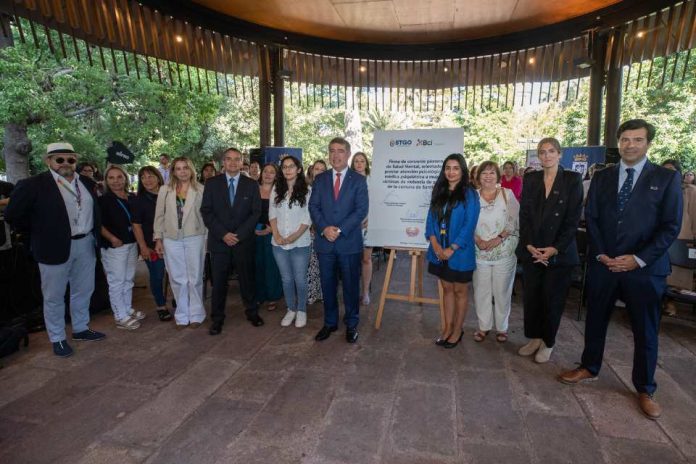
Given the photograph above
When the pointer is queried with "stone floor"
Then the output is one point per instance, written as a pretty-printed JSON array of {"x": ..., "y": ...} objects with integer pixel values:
[{"x": 273, "y": 395}]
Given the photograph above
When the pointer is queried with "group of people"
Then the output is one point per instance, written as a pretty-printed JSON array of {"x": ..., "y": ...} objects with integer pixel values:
[
  {"x": 633, "y": 213},
  {"x": 280, "y": 230}
]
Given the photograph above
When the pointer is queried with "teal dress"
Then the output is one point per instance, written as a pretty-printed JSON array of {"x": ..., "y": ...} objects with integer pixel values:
[{"x": 268, "y": 284}]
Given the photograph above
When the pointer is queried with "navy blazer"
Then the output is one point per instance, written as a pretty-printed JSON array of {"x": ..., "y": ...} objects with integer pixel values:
[
  {"x": 650, "y": 221},
  {"x": 347, "y": 213},
  {"x": 220, "y": 218},
  {"x": 36, "y": 207},
  {"x": 554, "y": 223}
]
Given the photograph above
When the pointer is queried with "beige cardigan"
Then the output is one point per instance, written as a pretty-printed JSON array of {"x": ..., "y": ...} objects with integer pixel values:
[{"x": 166, "y": 224}]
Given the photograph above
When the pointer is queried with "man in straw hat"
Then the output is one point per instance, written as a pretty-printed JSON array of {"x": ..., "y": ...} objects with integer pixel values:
[{"x": 58, "y": 209}]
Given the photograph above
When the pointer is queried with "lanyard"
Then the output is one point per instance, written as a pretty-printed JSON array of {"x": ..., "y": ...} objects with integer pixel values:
[
  {"x": 120, "y": 203},
  {"x": 76, "y": 193}
]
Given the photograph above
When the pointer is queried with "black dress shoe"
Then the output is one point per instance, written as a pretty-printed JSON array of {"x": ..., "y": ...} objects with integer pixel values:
[
  {"x": 450, "y": 345},
  {"x": 216, "y": 328},
  {"x": 325, "y": 333},
  {"x": 255, "y": 320},
  {"x": 352, "y": 335}
]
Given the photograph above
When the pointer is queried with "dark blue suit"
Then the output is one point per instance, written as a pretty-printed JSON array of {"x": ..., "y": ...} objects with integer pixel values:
[
  {"x": 647, "y": 227},
  {"x": 346, "y": 213}
]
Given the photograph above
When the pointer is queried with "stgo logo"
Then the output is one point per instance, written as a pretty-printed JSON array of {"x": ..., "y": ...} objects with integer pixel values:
[{"x": 400, "y": 142}]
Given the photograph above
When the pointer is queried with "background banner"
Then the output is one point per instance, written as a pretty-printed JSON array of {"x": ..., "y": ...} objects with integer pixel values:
[
  {"x": 578, "y": 159},
  {"x": 275, "y": 154},
  {"x": 405, "y": 166}
]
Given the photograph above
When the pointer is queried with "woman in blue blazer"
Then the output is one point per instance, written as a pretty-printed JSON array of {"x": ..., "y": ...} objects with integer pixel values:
[{"x": 452, "y": 218}]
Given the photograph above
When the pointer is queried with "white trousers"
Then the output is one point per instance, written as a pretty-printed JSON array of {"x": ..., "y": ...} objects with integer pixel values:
[
  {"x": 494, "y": 281},
  {"x": 184, "y": 260},
  {"x": 119, "y": 267}
]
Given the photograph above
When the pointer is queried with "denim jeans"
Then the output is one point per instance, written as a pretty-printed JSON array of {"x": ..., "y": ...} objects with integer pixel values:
[
  {"x": 156, "y": 269},
  {"x": 293, "y": 265}
]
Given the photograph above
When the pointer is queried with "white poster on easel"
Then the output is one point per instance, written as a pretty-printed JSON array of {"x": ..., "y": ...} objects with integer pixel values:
[{"x": 405, "y": 166}]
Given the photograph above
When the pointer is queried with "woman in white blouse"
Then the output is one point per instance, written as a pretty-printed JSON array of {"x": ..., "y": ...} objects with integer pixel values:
[
  {"x": 289, "y": 217},
  {"x": 497, "y": 234}
]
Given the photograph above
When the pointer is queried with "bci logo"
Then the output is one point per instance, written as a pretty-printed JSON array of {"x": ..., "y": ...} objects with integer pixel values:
[
  {"x": 423, "y": 142},
  {"x": 400, "y": 142}
]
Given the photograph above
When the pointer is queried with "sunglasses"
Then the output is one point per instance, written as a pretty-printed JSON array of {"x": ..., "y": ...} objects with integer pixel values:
[{"x": 61, "y": 160}]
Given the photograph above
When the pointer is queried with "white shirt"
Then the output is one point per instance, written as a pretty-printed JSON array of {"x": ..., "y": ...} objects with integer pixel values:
[
  {"x": 288, "y": 219},
  {"x": 341, "y": 179},
  {"x": 638, "y": 168},
  {"x": 79, "y": 213},
  {"x": 165, "y": 173}
]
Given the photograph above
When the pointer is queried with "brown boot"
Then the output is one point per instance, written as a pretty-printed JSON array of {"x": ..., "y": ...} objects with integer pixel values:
[
  {"x": 577, "y": 375},
  {"x": 649, "y": 406}
]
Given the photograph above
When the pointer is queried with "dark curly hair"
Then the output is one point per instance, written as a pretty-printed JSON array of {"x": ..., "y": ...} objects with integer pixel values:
[{"x": 299, "y": 190}]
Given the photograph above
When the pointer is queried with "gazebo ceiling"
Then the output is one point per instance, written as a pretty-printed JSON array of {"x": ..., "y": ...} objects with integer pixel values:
[{"x": 405, "y": 21}]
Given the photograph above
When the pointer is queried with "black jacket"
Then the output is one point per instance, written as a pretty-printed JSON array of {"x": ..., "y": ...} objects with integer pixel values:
[
  {"x": 220, "y": 218},
  {"x": 553, "y": 221},
  {"x": 37, "y": 208}
]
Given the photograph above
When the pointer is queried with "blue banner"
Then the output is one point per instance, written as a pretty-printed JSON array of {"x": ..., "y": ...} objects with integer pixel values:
[
  {"x": 579, "y": 159},
  {"x": 276, "y": 154}
]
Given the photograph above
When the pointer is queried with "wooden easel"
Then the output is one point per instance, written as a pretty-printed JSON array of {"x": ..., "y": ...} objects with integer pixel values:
[{"x": 415, "y": 294}]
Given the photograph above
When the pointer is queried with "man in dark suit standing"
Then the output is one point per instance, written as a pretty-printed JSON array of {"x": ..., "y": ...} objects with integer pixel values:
[
  {"x": 633, "y": 215},
  {"x": 58, "y": 209},
  {"x": 338, "y": 205},
  {"x": 230, "y": 208}
]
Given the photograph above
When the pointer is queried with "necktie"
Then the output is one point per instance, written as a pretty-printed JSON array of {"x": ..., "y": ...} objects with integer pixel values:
[
  {"x": 625, "y": 192},
  {"x": 337, "y": 185},
  {"x": 231, "y": 191}
]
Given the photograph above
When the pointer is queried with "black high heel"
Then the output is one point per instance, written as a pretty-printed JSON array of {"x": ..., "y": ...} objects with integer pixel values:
[
  {"x": 440, "y": 341},
  {"x": 450, "y": 345}
]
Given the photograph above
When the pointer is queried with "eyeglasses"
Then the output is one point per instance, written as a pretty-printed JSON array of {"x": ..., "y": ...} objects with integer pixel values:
[
  {"x": 61, "y": 160},
  {"x": 288, "y": 166}
]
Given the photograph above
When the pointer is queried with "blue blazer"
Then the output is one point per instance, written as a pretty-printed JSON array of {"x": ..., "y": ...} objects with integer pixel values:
[
  {"x": 462, "y": 226},
  {"x": 346, "y": 213},
  {"x": 649, "y": 224}
]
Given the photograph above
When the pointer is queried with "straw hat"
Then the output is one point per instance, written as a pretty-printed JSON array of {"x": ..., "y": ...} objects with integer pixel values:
[{"x": 59, "y": 148}]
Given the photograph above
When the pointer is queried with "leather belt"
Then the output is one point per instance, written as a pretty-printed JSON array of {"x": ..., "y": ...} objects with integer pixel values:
[{"x": 78, "y": 236}]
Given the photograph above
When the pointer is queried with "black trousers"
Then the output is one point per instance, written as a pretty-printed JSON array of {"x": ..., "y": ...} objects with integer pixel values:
[
  {"x": 545, "y": 293},
  {"x": 242, "y": 256}
]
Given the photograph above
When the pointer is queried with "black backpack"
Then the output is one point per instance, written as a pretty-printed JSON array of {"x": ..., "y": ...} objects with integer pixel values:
[{"x": 10, "y": 337}]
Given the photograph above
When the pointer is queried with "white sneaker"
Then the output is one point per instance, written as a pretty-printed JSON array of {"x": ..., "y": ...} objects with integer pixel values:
[
  {"x": 530, "y": 348},
  {"x": 137, "y": 315},
  {"x": 301, "y": 320},
  {"x": 288, "y": 318},
  {"x": 543, "y": 354},
  {"x": 366, "y": 300},
  {"x": 128, "y": 324}
]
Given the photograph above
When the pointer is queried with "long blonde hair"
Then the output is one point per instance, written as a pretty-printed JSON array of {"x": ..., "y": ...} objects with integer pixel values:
[{"x": 172, "y": 178}]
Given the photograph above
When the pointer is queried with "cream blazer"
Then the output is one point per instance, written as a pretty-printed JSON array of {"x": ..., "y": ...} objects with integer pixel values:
[{"x": 166, "y": 224}]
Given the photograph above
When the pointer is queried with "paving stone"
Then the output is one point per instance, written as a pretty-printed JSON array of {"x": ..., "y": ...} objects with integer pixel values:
[
  {"x": 682, "y": 371},
  {"x": 353, "y": 432},
  {"x": 678, "y": 419},
  {"x": 424, "y": 420},
  {"x": 205, "y": 436},
  {"x": 615, "y": 414},
  {"x": 622, "y": 451},
  {"x": 562, "y": 439},
  {"x": 76, "y": 428},
  {"x": 495, "y": 454},
  {"x": 19, "y": 380},
  {"x": 373, "y": 372},
  {"x": 64, "y": 391},
  {"x": 536, "y": 389},
  {"x": 109, "y": 453},
  {"x": 151, "y": 424},
  {"x": 297, "y": 407},
  {"x": 431, "y": 364},
  {"x": 248, "y": 385},
  {"x": 487, "y": 397}
]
